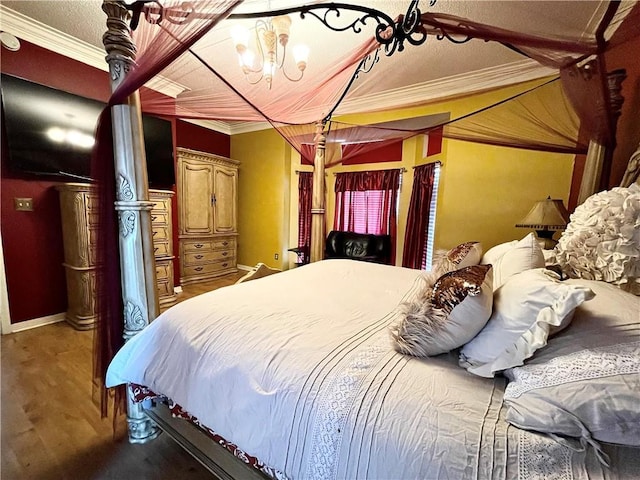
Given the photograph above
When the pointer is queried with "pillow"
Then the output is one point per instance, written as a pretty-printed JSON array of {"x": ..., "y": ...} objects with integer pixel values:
[
  {"x": 526, "y": 310},
  {"x": 447, "y": 315},
  {"x": 585, "y": 383},
  {"x": 463, "y": 255},
  {"x": 511, "y": 258},
  {"x": 602, "y": 239}
]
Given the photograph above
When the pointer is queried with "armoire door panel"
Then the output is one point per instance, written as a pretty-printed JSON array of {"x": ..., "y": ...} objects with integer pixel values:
[
  {"x": 197, "y": 216},
  {"x": 225, "y": 184}
]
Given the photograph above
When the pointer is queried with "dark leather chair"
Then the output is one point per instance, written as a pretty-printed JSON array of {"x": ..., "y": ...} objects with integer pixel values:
[{"x": 358, "y": 246}]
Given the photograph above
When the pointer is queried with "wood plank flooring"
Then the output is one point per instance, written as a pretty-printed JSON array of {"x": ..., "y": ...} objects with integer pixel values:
[{"x": 51, "y": 429}]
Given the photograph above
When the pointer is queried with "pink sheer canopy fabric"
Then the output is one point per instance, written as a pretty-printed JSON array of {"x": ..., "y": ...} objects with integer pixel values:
[{"x": 222, "y": 93}]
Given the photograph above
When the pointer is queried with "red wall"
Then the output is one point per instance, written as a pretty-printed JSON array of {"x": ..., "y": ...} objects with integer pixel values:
[
  {"x": 32, "y": 241},
  {"x": 195, "y": 137}
]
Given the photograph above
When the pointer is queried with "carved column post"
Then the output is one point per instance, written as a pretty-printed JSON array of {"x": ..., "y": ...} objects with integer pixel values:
[
  {"x": 614, "y": 84},
  {"x": 318, "y": 198},
  {"x": 137, "y": 263},
  {"x": 597, "y": 166}
]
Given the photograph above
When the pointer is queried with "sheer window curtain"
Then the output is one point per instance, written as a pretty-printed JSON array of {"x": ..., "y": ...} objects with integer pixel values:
[
  {"x": 367, "y": 202},
  {"x": 421, "y": 216},
  {"x": 305, "y": 190}
]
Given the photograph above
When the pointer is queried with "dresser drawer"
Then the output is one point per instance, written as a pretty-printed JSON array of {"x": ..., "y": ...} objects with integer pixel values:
[
  {"x": 159, "y": 218},
  {"x": 209, "y": 268},
  {"x": 198, "y": 258},
  {"x": 164, "y": 288},
  {"x": 162, "y": 249},
  {"x": 227, "y": 243},
  {"x": 160, "y": 204},
  {"x": 197, "y": 245},
  {"x": 92, "y": 203},
  {"x": 163, "y": 270},
  {"x": 160, "y": 233}
]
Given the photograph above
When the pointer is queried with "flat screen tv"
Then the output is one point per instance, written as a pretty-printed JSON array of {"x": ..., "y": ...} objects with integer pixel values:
[{"x": 50, "y": 133}]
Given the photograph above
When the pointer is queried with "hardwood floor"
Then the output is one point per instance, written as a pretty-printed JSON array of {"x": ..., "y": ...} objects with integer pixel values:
[{"x": 51, "y": 429}]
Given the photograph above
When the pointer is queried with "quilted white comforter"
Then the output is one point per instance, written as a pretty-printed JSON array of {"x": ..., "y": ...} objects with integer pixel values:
[{"x": 298, "y": 370}]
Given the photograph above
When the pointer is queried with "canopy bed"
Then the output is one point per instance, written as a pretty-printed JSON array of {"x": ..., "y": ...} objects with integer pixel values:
[{"x": 333, "y": 411}]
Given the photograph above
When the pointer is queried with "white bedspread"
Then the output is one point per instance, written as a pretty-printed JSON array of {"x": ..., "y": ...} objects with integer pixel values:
[{"x": 297, "y": 369}]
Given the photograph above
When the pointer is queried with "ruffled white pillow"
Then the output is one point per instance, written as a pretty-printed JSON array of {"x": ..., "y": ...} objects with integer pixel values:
[
  {"x": 602, "y": 240},
  {"x": 514, "y": 257},
  {"x": 528, "y": 308}
]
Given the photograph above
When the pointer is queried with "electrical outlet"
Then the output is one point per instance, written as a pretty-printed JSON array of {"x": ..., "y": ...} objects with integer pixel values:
[
  {"x": 23, "y": 204},
  {"x": 276, "y": 256}
]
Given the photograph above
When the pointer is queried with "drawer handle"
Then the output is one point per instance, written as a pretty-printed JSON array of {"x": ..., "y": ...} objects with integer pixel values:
[
  {"x": 198, "y": 269},
  {"x": 198, "y": 245},
  {"x": 198, "y": 257},
  {"x": 155, "y": 249},
  {"x": 225, "y": 264},
  {"x": 153, "y": 218},
  {"x": 225, "y": 243},
  {"x": 224, "y": 254}
]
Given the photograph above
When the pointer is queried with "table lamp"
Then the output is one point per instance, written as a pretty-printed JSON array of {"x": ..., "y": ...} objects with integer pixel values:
[{"x": 546, "y": 217}]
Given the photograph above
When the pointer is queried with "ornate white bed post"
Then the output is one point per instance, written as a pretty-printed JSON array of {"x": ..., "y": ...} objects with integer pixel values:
[
  {"x": 318, "y": 197},
  {"x": 137, "y": 263}
]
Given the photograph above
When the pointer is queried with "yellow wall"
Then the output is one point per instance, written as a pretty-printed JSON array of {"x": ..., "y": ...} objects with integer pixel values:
[
  {"x": 263, "y": 197},
  {"x": 484, "y": 190}
]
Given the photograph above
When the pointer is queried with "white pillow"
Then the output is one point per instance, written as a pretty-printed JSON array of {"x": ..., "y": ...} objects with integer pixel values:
[
  {"x": 587, "y": 379},
  {"x": 514, "y": 257},
  {"x": 447, "y": 315},
  {"x": 528, "y": 308}
]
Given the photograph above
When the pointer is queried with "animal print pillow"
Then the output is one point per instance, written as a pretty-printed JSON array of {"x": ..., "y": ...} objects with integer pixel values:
[{"x": 447, "y": 314}]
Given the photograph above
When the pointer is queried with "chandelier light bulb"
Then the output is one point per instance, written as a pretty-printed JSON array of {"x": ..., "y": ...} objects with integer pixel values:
[
  {"x": 282, "y": 26},
  {"x": 301, "y": 56},
  {"x": 247, "y": 58},
  {"x": 240, "y": 36}
]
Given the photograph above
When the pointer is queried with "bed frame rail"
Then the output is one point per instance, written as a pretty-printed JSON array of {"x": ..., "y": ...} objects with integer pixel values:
[{"x": 214, "y": 457}]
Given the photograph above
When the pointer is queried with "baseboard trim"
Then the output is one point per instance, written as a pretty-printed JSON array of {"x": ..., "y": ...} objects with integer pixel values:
[
  {"x": 37, "y": 322},
  {"x": 244, "y": 267}
]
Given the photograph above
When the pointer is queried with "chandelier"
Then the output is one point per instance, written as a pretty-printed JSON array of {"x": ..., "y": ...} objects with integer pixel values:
[{"x": 271, "y": 40}]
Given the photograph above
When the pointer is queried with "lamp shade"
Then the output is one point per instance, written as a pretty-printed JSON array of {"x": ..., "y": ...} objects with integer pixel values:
[{"x": 548, "y": 214}]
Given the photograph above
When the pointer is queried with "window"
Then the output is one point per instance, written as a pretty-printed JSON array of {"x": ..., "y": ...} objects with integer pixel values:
[
  {"x": 367, "y": 202},
  {"x": 363, "y": 211},
  {"x": 431, "y": 224}
]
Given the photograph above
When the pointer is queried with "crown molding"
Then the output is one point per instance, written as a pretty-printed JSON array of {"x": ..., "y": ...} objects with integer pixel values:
[
  {"x": 218, "y": 126},
  {"x": 248, "y": 127},
  {"x": 454, "y": 86},
  {"x": 44, "y": 36}
]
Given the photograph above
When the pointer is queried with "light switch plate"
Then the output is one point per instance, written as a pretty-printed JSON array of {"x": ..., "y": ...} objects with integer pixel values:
[{"x": 23, "y": 204}]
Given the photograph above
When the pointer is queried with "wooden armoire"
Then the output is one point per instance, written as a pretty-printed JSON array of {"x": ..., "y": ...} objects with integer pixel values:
[{"x": 208, "y": 215}]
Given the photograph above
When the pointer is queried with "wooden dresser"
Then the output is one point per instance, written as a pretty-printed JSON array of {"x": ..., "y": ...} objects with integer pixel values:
[
  {"x": 79, "y": 208},
  {"x": 207, "y": 220}
]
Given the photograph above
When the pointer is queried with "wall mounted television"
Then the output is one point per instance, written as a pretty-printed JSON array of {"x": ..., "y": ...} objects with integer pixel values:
[{"x": 50, "y": 133}]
